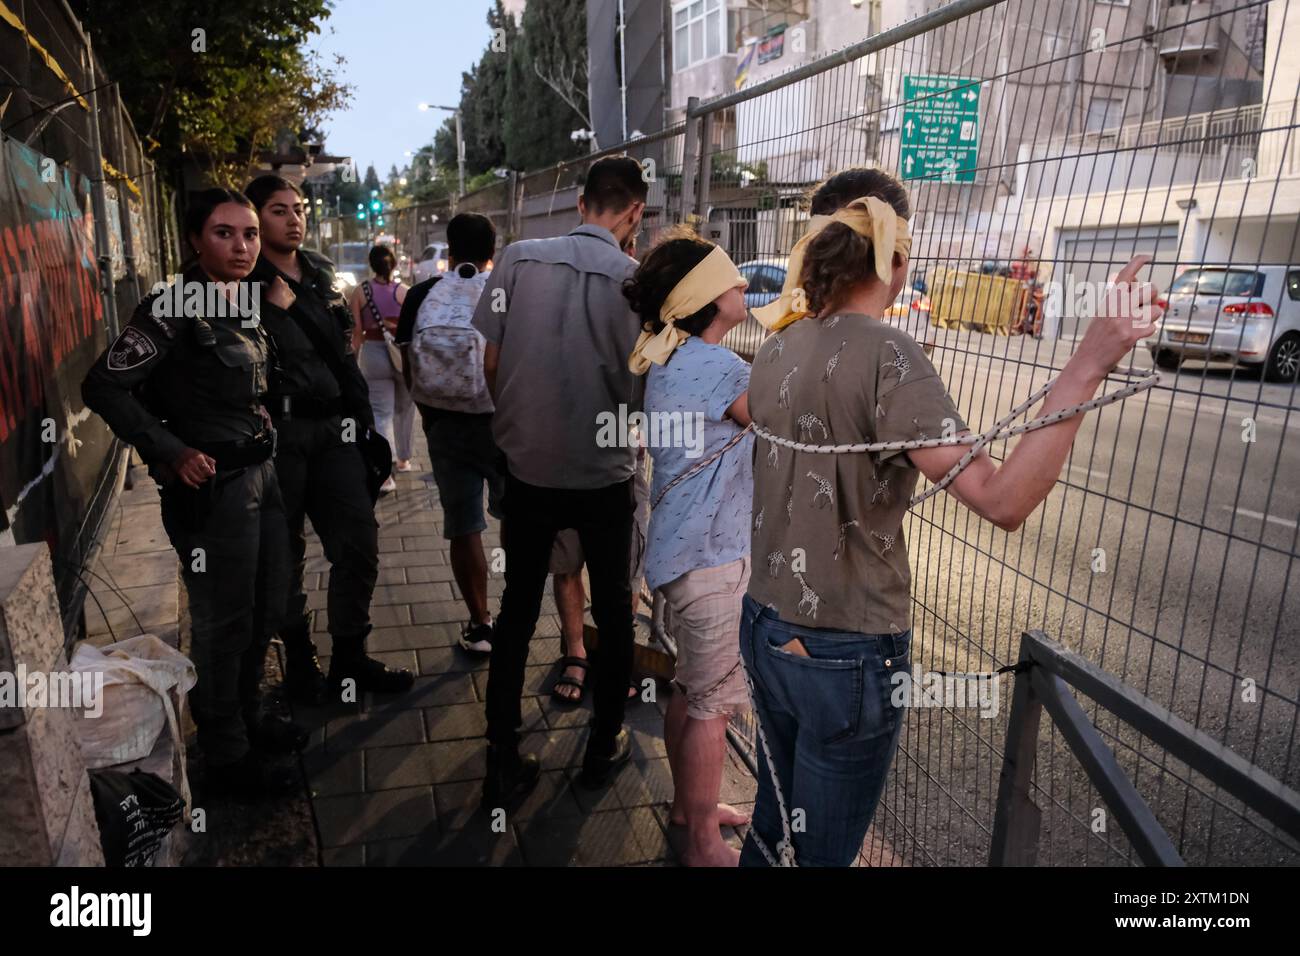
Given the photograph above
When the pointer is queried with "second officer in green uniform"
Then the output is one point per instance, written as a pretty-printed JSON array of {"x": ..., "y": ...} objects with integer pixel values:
[{"x": 321, "y": 408}]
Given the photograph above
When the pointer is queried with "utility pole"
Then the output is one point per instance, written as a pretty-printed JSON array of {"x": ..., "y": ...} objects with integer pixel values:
[{"x": 460, "y": 148}]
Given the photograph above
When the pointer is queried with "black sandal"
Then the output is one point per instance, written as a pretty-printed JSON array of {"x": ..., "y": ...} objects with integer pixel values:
[{"x": 564, "y": 680}]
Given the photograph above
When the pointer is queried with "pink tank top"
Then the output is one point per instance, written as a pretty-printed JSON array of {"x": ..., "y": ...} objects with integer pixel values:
[{"x": 385, "y": 297}]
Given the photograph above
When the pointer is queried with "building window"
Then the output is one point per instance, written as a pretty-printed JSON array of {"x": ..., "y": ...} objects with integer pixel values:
[
  {"x": 1104, "y": 113},
  {"x": 699, "y": 32}
]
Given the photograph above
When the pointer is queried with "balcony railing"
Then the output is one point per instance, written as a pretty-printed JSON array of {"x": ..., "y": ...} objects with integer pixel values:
[{"x": 1243, "y": 142}]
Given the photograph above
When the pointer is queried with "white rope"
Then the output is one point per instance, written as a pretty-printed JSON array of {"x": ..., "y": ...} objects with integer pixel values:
[
  {"x": 1003, "y": 428},
  {"x": 784, "y": 849}
]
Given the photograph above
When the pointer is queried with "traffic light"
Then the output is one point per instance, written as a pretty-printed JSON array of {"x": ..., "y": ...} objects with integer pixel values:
[
  {"x": 376, "y": 206},
  {"x": 379, "y": 221}
]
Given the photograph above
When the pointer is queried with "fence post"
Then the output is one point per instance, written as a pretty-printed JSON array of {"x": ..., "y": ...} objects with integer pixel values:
[
  {"x": 690, "y": 159},
  {"x": 1017, "y": 819},
  {"x": 103, "y": 249},
  {"x": 128, "y": 237},
  {"x": 706, "y": 166}
]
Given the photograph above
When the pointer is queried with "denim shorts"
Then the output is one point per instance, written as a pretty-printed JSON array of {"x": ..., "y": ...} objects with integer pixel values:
[{"x": 465, "y": 462}]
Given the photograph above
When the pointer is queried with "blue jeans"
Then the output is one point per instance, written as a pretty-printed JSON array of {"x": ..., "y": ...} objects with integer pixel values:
[{"x": 831, "y": 728}]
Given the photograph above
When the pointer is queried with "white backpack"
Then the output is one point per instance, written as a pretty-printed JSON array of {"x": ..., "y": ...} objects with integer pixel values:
[{"x": 446, "y": 351}]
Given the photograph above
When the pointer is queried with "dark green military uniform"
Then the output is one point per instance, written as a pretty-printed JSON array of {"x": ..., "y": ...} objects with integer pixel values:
[
  {"x": 172, "y": 382},
  {"x": 321, "y": 472}
]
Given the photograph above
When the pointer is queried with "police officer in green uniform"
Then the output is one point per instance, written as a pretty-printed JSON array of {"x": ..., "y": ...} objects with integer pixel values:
[
  {"x": 184, "y": 384},
  {"x": 321, "y": 407}
]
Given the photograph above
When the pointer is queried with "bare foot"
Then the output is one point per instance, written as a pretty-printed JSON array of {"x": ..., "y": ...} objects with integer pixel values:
[{"x": 728, "y": 816}]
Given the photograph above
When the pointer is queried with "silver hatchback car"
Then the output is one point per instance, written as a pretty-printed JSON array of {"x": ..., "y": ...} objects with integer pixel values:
[{"x": 1249, "y": 316}]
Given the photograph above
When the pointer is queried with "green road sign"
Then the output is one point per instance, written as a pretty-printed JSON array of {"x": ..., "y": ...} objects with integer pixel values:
[{"x": 941, "y": 117}]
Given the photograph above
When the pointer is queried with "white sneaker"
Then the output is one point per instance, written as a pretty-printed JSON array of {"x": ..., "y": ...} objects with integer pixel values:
[
  {"x": 405, "y": 466},
  {"x": 389, "y": 485}
]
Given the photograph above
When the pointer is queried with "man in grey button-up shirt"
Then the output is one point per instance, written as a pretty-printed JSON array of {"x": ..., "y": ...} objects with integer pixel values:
[
  {"x": 559, "y": 333},
  {"x": 562, "y": 331}
]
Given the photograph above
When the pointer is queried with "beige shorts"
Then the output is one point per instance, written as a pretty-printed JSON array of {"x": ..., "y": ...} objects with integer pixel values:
[
  {"x": 566, "y": 552},
  {"x": 705, "y": 605}
]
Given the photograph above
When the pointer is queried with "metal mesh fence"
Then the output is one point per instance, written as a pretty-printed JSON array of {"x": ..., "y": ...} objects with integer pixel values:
[
  {"x": 60, "y": 103},
  {"x": 1042, "y": 145}
]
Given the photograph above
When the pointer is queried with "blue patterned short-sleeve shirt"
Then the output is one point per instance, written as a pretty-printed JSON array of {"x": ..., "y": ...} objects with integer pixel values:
[{"x": 703, "y": 521}]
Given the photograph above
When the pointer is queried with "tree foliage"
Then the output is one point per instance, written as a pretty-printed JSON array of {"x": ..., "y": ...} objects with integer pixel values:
[{"x": 217, "y": 82}]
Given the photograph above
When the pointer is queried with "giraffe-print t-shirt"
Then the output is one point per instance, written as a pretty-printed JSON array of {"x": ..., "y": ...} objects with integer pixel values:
[{"x": 828, "y": 546}]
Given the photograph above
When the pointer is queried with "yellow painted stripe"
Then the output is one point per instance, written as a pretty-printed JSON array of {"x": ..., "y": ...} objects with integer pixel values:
[
  {"x": 112, "y": 172},
  {"x": 11, "y": 18}
]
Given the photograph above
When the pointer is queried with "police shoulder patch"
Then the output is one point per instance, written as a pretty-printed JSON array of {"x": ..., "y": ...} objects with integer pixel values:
[{"x": 132, "y": 349}]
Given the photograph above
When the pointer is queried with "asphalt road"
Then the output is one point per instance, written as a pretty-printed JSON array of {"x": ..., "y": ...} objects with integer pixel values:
[{"x": 1166, "y": 556}]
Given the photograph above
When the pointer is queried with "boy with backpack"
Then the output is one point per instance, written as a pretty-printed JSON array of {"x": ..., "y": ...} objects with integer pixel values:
[{"x": 442, "y": 360}]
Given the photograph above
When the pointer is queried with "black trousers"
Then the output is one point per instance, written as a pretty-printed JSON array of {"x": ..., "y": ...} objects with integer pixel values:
[
  {"x": 603, "y": 520},
  {"x": 323, "y": 478},
  {"x": 230, "y": 537}
]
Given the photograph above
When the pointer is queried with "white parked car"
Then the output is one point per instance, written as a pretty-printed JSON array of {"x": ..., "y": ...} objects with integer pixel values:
[
  {"x": 432, "y": 262},
  {"x": 1245, "y": 315}
]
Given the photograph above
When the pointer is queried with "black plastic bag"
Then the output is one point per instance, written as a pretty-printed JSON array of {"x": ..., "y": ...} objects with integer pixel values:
[{"x": 135, "y": 812}]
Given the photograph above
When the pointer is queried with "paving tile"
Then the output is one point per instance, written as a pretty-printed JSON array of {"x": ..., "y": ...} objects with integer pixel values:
[
  {"x": 353, "y": 855},
  {"x": 595, "y": 801},
  {"x": 442, "y": 762},
  {"x": 410, "y": 559},
  {"x": 137, "y": 570},
  {"x": 376, "y": 729},
  {"x": 439, "y": 690},
  {"x": 538, "y": 679},
  {"x": 458, "y": 803},
  {"x": 600, "y": 839},
  {"x": 643, "y": 783},
  {"x": 556, "y": 749},
  {"x": 331, "y": 773},
  {"x": 437, "y": 612},
  {"x": 647, "y": 740},
  {"x": 421, "y": 573},
  {"x": 552, "y": 797},
  {"x": 455, "y": 722},
  {"x": 414, "y": 636},
  {"x": 410, "y": 593},
  {"x": 650, "y": 834},
  {"x": 474, "y": 845},
  {"x": 450, "y": 659},
  {"x": 366, "y": 817}
]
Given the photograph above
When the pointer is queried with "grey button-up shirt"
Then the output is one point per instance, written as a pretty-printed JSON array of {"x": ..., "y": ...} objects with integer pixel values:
[{"x": 555, "y": 307}]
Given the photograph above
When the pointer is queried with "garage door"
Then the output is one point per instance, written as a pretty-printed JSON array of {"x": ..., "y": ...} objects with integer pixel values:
[{"x": 1094, "y": 255}]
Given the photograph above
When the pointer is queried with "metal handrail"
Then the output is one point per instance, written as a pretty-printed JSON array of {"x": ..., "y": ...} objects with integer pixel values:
[{"x": 1045, "y": 674}]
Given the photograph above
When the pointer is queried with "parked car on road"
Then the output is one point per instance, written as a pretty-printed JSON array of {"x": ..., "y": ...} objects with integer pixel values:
[
  {"x": 766, "y": 276},
  {"x": 1249, "y": 316},
  {"x": 432, "y": 262}
]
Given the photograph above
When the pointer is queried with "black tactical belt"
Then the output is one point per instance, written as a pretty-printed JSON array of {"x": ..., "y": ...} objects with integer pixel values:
[
  {"x": 242, "y": 453},
  {"x": 304, "y": 406}
]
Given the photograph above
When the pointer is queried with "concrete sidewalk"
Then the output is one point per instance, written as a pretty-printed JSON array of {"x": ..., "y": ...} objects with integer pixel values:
[{"x": 398, "y": 780}]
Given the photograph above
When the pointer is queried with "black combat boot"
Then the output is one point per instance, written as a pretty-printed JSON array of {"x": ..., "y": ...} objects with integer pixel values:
[
  {"x": 349, "y": 661},
  {"x": 303, "y": 681},
  {"x": 510, "y": 777}
]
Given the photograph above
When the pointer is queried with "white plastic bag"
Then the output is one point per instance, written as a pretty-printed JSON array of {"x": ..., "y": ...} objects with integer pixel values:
[{"x": 140, "y": 674}]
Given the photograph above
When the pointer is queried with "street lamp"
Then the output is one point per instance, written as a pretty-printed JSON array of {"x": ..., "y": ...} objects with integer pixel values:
[{"x": 460, "y": 142}]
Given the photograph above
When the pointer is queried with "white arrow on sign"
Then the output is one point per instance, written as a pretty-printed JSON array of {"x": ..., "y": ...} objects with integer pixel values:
[
  {"x": 907, "y": 164},
  {"x": 909, "y": 126},
  {"x": 969, "y": 95}
]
